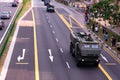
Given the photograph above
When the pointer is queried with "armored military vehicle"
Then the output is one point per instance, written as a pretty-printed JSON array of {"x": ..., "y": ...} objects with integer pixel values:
[{"x": 84, "y": 48}]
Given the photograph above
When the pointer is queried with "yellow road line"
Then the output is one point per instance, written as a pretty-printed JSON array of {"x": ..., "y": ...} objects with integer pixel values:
[
  {"x": 37, "y": 77},
  {"x": 69, "y": 27},
  {"x": 105, "y": 73},
  {"x": 83, "y": 27},
  {"x": 65, "y": 21}
]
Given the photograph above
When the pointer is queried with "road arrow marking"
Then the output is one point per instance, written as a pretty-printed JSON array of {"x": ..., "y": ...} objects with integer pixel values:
[
  {"x": 50, "y": 53},
  {"x": 104, "y": 58},
  {"x": 19, "y": 58}
]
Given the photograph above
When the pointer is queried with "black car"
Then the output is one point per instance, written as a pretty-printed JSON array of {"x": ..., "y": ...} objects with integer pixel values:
[
  {"x": 50, "y": 8},
  {"x": 14, "y": 4},
  {"x": 2, "y": 24}
]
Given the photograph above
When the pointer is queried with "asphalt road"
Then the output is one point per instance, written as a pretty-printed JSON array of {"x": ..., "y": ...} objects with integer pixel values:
[
  {"x": 54, "y": 59},
  {"x": 23, "y": 69},
  {"x": 52, "y": 34},
  {"x": 110, "y": 65}
]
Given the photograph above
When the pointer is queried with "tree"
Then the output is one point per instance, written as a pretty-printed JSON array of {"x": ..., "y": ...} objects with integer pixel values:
[
  {"x": 115, "y": 19},
  {"x": 106, "y": 10}
]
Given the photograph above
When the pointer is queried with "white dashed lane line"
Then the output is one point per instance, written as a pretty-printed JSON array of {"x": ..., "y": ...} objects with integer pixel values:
[
  {"x": 51, "y": 26},
  {"x": 68, "y": 65},
  {"x": 49, "y": 21},
  {"x": 61, "y": 50},
  {"x": 56, "y": 39},
  {"x": 53, "y": 32}
]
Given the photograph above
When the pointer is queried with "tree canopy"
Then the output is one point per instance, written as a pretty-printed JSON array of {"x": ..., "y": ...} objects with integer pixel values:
[{"x": 107, "y": 10}]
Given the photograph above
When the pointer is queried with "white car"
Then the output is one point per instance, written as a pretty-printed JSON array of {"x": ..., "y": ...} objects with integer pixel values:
[{"x": 5, "y": 15}]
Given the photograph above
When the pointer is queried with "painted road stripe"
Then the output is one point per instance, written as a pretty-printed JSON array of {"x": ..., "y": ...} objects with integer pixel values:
[
  {"x": 105, "y": 73},
  {"x": 65, "y": 21},
  {"x": 56, "y": 39},
  {"x": 68, "y": 65},
  {"x": 25, "y": 63},
  {"x": 83, "y": 27},
  {"x": 110, "y": 64},
  {"x": 37, "y": 77},
  {"x": 24, "y": 38},
  {"x": 61, "y": 50},
  {"x": 51, "y": 26},
  {"x": 50, "y": 55},
  {"x": 69, "y": 27},
  {"x": 104, "y": 58},
  {"x": 53, "y": 32},
  {"x": 49, "y": 21}
]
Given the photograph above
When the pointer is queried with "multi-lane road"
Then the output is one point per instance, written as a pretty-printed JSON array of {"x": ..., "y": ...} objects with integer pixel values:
[
  {"x": 7, "y": 6},
  {"x": 41, "y": 50}
]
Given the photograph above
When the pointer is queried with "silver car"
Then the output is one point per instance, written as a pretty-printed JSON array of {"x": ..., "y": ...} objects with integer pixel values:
[{"x": 5, "y": 15}]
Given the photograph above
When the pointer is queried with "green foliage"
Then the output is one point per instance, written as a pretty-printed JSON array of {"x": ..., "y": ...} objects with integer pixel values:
[
  {"x": 106, "y": 10},
  {"x": 24, "y": 2},
  {"x": 116, "y": 18}
]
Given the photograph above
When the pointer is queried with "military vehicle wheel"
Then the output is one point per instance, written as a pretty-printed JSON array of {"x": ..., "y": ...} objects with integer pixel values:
[
  {"x": 78, "y": 64},
  {"x": 96, "y": 64},
  {"x": 72, "y": 53},
  {"x": 71, "y": 50}
]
